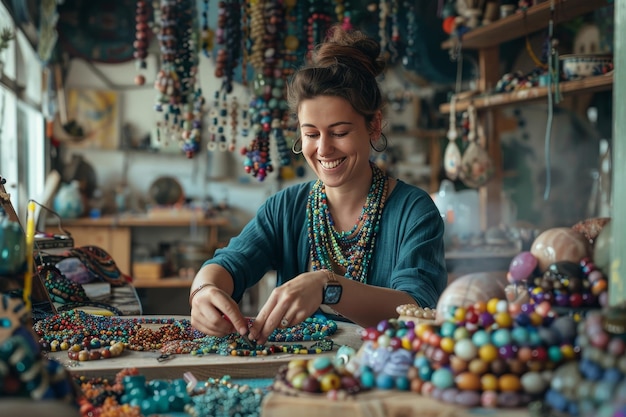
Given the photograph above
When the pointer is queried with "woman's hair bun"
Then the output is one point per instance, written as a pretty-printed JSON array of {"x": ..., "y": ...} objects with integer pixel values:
[{"x": 351, "y": 48}]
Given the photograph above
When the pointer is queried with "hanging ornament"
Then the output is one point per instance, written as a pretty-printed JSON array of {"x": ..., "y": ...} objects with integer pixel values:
[
  {"x": 476, "y": 167},
  {"x": 452, "y": 154},
  {"x": 179, "y": 98},
  {"x": 142, "y": 39}
]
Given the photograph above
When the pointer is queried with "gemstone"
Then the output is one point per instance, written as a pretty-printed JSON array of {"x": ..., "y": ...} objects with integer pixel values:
[{"x": 522, "y": 267}]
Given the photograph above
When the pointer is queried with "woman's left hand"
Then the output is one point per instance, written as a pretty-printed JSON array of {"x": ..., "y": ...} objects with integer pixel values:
[{"x": 289, "y": 304}]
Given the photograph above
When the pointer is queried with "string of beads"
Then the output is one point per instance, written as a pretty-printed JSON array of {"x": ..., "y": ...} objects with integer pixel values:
[
  {"x": 77, "y": 331},
  {"x": 351, "y": 249}
]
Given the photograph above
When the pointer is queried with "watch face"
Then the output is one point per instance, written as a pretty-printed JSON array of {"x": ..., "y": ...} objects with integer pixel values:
[{"x": 332, "y": 293}]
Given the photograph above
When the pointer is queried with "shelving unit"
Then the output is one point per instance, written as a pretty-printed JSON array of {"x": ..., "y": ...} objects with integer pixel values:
[
  {"x": 522, "y": 23},
  {"x": 489, "y": 101},
  {"x": 487, "y": 40}
]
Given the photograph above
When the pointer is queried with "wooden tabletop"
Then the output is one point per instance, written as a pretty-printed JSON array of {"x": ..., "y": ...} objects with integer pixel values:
[{"x": 203, "y": 367}]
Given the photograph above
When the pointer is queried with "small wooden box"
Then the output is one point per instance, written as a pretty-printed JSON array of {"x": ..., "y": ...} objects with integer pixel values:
[{"x": 147, "y": 270}]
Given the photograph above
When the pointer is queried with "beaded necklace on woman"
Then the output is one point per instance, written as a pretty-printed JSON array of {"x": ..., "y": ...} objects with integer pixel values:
[{"x": 351, "y": 249}]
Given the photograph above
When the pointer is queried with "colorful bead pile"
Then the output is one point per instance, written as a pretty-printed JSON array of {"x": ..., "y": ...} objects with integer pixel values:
[
  {"x": 79, "y": 332},
  {"x": 222, "y": 397},
  {"x": 312, "y": 329},
  {"x": 596, "y": 383},
  {"x": 129, "y": 394},
  {"x": 490, "y": 354},
  {"x": 316, "y": 376},
  {"x": 564, "y": 284},
  {"x": 75, "y": 327}
]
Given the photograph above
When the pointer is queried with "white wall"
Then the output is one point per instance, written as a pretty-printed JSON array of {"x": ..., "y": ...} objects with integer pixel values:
[{"x": 240, "y": 190}]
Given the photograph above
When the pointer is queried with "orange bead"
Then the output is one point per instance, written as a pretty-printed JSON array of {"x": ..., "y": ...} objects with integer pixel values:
[
  {"x": 598, "y": 287},
  {"x": 434, "y": 339},
  {"x": 467, "y": 381},
  {"x": 524, "y": 354},
  {"x": 480, "y": 307},
  {"x": 510, "y": 383}
]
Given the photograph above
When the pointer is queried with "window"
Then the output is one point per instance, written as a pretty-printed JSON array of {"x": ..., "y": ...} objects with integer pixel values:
[{"x": 22, "y": 134}]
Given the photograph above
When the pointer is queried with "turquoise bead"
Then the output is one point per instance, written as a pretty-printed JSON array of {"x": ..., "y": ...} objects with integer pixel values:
[
  {"x": 443, "y": 378},
  {"x": 555, "y": 354},
  {"x": 520, "y": 336},
  {"x": 368, "y": 380},
  {"x": 425, "y": 372},
  {"x": 480, "y": 338},
  {"x": 501, "y": 337},
  {"x": 403, "y": 383},
  {"x": 384, "y": 381}
]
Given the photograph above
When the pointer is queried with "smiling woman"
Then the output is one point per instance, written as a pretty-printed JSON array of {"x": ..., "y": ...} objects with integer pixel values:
[{"x": 355, "y": 243}]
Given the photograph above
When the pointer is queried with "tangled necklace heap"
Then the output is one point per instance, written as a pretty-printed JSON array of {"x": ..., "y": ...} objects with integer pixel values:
[{"x": 352, "y": 249}]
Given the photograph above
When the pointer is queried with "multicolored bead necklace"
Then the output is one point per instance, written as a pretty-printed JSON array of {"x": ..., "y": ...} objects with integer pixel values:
[
  {"x": 353, "y": 249},
  {"x": 312, "y": 329}
]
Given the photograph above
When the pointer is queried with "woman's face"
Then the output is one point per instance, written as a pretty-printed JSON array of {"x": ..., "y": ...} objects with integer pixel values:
[{"x": 335, "y": 139}]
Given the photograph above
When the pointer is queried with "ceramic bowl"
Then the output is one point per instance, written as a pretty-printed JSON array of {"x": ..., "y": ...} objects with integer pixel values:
[{"x": 577, "y": 66}]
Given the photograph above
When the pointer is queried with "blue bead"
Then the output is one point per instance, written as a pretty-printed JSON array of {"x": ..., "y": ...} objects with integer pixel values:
[
  {"x": 368, "y": 380},
  {"x": 403, "y": 383},
  {"x": 384, "y": 381}
]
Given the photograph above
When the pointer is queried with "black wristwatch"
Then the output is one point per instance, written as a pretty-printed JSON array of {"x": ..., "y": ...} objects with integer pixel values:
[{"x": 332, "y": 290}]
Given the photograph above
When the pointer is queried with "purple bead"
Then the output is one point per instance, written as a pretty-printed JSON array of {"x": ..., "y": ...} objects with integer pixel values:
[
  {"x": 507, "y": 352},
  {"x": 522, "y": 266},
  {"x": 528, "y": 308},
  {"x": 485, "y": 319},
  {"x": 561, "y": 299},
  {"x": 382, "y": 326}
]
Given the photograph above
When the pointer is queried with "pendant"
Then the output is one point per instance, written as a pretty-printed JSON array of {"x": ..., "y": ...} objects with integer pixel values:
[
  {"x": 476, "y": 167},
  {"x": 452, "y": 154}
]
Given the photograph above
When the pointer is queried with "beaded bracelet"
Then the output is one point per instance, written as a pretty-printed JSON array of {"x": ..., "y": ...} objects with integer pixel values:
[{"x": 194, "y": 292}]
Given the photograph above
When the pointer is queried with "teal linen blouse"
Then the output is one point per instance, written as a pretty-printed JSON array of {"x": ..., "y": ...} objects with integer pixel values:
[{"x": 408, "y": 256}]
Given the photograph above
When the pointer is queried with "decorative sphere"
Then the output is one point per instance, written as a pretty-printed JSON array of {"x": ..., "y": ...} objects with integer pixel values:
[
  {"x": 522, "y": 267},
  {"x": 559, "y": 244}
]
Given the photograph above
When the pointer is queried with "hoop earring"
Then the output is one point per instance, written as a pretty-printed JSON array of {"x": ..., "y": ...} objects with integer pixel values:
[
  {"x": 382, "y": 138},
  {"x": 297, "y": 146}
]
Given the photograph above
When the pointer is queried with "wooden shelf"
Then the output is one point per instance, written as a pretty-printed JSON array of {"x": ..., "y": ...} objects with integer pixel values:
[
  {"x": 523, "y": 23},
  {"x": 586, "y": 85},
  {"x": 145, "y": 221},
  {"x": 167, "y": 282}
]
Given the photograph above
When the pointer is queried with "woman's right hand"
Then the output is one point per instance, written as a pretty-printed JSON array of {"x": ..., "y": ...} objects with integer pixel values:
[{"x": 215, "y": 313}]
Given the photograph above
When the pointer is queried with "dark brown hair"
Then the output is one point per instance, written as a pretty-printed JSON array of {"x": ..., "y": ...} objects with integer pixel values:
[{"x": 345, "y": 65}]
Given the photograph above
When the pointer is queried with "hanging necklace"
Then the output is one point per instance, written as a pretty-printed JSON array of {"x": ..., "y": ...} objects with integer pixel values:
[{"x": 353, "y": 249}]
